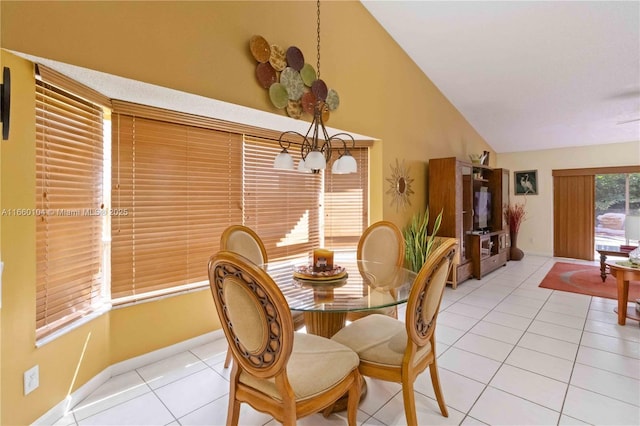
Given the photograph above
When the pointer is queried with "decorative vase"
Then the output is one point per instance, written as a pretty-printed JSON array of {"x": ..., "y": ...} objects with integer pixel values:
[{"x": 515, "y": 252}]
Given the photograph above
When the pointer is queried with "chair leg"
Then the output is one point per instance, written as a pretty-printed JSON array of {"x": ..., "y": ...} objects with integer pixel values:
[
  {"x": 435, "y": 381},
  {"x": 289, "y": 414},
  {"x": 227, "y": 360},
  {"x": 289, "y": 422},
  {"x": 354, "y": 399},
  {"x": 233, "y": 413},
  {"x": 409, "y": 399},
  {"x": 233, "y": 410},
  {"x": 454, "y": 274},
  {"x": 394, "y": 313}
]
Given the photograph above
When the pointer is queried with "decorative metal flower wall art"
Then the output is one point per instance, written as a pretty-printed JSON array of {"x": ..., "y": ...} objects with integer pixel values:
[
  {"x": 400, "y": 185},
  {"x": 293, "y": 84}
]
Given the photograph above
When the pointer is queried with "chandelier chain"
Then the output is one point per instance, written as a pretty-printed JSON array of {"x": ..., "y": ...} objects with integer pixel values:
[
  {"x": 318, "y": 40},
  {"x": 316, "y": 155}
]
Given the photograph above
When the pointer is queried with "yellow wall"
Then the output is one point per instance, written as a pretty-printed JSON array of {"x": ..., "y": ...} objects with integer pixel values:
[
  {"x": 536, "y": 233},
  {"x": 71, "y": 360},
  {"x": 201, "y": 48}
]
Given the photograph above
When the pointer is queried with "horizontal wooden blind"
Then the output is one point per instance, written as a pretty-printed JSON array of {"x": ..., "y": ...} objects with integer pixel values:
[
  {"x": 281, "y": 206},
  {"x": 69, "y": 162},
  {"x": 346, "y": 200},
  {"x": 176, "y": 187}
]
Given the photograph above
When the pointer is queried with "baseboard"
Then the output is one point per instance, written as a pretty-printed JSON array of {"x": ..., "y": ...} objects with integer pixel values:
[
  {"x": 63, "y": 407},
  {"x": 157, "y": 355}
]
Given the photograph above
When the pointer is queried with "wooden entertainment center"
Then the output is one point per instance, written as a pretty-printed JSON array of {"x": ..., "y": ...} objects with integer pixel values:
[{"x": 472, "y": 198}]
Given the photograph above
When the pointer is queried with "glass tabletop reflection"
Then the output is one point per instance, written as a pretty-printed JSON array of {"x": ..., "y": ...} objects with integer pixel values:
[{"x": 367, "y": 286}]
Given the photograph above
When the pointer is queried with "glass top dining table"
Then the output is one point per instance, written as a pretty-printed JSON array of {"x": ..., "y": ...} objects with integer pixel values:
[{"x": 325, "y": 303}]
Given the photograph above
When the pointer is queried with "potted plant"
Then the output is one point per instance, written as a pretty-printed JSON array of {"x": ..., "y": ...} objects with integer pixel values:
[
  {"x": 514, "y": 215},
  {"x": 418, "y": 242}
]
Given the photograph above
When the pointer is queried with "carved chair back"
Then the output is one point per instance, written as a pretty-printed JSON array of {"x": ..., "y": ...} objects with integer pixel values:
[
  {"x": 254, "y": 314},
  {"x": 426, "y": 293}
]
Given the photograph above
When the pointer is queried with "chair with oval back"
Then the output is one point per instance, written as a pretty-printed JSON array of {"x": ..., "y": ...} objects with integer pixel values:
[
  {"x": 245, "y": 241},
  {"x": 395, "y": 351},
  {"x": 286, "y": 374},
  {"x": 381, "y": 244}
]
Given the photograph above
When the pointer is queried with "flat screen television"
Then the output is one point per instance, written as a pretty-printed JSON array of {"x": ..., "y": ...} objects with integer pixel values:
[{"x": 481, "y": 210}]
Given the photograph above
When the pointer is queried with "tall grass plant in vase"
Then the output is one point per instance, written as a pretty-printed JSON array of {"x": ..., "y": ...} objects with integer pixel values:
[
  {"x": 514, "y": 215},
  {"x": 418, "y": 242}
]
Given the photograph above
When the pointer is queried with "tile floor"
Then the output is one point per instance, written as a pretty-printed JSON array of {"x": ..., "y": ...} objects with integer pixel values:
[{"x": 510, "y": 353}]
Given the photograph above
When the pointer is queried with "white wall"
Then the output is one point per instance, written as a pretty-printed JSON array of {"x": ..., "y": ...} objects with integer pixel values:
[{"x": 536, "y": 233}]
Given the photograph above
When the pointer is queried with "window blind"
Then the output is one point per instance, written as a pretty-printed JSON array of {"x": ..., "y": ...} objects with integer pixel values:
[
  {"x": 175, "y": 189},
  {"x": 69, "y": 162},
  {"x": 281, "y": 206},
  {"x": 346, "y": 200}
]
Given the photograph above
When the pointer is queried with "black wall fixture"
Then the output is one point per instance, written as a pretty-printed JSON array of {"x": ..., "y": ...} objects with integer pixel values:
[{"x": 5, "y": 101}]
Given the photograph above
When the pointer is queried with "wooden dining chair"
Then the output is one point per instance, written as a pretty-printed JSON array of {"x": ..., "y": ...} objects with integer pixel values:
[
  {"x": 245, "y": 241},
  {"x": 395, "y": 351},
  {"x": 286, "y": 374},
  {"x": 381, "y": 244}
]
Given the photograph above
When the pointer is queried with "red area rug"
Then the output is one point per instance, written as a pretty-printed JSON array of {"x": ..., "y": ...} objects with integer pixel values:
[{"x": 585, "y": 279}]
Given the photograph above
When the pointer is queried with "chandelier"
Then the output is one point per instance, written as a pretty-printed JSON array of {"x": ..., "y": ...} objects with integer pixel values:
[{"x": 315, "y": 145}]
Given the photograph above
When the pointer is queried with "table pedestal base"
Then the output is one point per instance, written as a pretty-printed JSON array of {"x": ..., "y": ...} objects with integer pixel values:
[{"x": 324, "y": 324}]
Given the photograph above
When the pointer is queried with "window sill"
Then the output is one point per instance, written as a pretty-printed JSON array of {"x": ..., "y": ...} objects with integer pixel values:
[
  {"x": 74, "y": 325},
  {"x": 124, "y": 302},
  {"x": 118, "y": 304}
]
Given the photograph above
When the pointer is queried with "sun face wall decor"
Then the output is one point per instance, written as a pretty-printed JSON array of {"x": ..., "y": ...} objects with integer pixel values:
[
  {"x": 400, "y": 185},
  {"x": 292, "y": 83}
]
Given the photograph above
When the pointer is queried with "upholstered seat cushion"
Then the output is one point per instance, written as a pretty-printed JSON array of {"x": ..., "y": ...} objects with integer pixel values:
[
  {"x": 316, "y": 364},
  {"x": 378, "y": 339}
]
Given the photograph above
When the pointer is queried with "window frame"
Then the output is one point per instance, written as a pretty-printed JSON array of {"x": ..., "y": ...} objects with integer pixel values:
[
  {"x": 104, "y": 297},
  {"x": 70, "y": 272}
]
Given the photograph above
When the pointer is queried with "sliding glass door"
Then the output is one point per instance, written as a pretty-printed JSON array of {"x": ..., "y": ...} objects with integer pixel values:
[
  {"x": 595, "y": 206},
  {"x": 617, "y": 209}
]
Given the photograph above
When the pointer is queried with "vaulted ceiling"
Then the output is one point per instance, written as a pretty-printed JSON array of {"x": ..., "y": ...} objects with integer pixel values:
[{"x": 528, "y": 75}]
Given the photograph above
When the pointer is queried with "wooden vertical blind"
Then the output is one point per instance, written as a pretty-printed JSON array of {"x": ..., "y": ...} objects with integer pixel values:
[
  {"x": 175, "y": 189},
  {"x": 281, "y": 206},
  {"x": 69, "y": 167},
  {"x": 574, "y": 219},
  {"x": 573, "y": 216},
  {"x": 346, "y": 200}
]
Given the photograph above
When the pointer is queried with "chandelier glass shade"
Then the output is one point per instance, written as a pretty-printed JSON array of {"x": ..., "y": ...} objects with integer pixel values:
[{"x": 316, "y": 146}]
